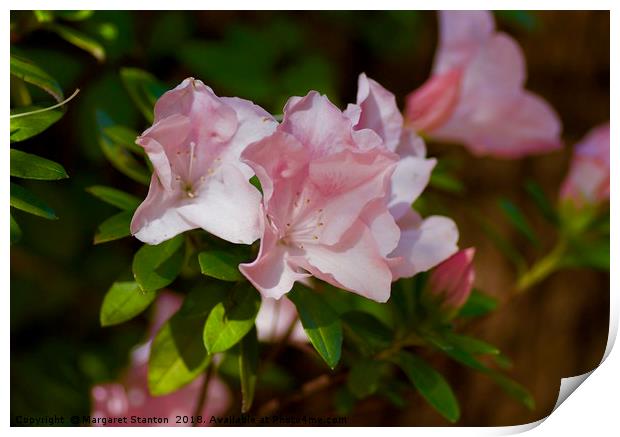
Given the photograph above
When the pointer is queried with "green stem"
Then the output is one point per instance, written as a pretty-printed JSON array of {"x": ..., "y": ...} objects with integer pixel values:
[{"x": 543, "y": 268}]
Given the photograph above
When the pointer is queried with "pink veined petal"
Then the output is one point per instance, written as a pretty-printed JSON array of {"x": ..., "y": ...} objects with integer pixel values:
[
  {"x": 382, "y": 226},
  {"x": 160, "y": 143},
  {"x": 157, "y": 218},
  {"x": 353, "y": 112},
  {"x": 410, "y": 177},
  {"x": 355, "y": 264},
  {"x": 423, "y": 244},
  {"x": 379, "y": 111},
  {"x": 433, "y": 103},
  {"x": 348, "y": 181},
  {"x": 318, "y": 125},
  {"x": 271, "y": 273},
  {"x": 254, "y": 124},
  {"x": 460, "y": 35},
  {"x": 226, "y": 206}
]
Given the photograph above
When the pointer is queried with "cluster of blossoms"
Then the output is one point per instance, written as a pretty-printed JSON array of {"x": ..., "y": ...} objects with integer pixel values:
[{"x": 337, "y": 187}]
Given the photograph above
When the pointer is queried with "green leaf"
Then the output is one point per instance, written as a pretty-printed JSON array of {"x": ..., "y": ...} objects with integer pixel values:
[
  {"x": 231, "y": 319},
  {"x": 430, "y": 384},
  {"x": 154, "y": 267},
  {"x": 511, "y": 387},
  {"x": 143, "y": 88},
  {"x": 471, "y": 345},
  {"x": 28, "y": 202},
  {"x": 118, "y": 155},
  {"x": 201, "y": 300},
  {"x": 124, "y": 301},
  {"x": 363, "y": 379},
  {"x": 177, "y": 355},
  {"x": 28, "y": 166},
  {"x": 220, "y": 265},
  {"x": 367, "y": 332},
  {"x": 123, "y": 136},
  {"x": 114, "y": 228},
  {"x": 518, "y": 220},
  {"x": 16, "y": 232},
  {"x": 78, "y": 39},
  {"x": 30, "y": 125},
  {"x": 74, "y": 15},
  {"x": 503, "y": 245},
  {"x": 446, "y": 182},
  {"x": 27, "y": 71},
  {"x": 321, "y": 323},
  {"x": 248, "y": 367},
  {"x": 478, "y": 304},
  {"x": 542, "y": 202},
  {"x": 118, "y": 198},
  {"x": 44, "y": 16}
]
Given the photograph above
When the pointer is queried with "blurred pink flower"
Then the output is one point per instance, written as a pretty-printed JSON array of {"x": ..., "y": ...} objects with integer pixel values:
[
  {"x": 588, "y": 179},
  {"x": 451, "y": 282},
  {"x": 198, "y": 180},
  {"x": 319, "y": 177},
  {"x": 421, "y": 244},
  {"x": 275, "y": 318},
  {"x": 130, "y": 396},
  {"x": 476, "y": 93}
]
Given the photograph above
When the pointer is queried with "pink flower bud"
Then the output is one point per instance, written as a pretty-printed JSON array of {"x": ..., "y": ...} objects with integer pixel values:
[
  {"x": 450, "y": 283},
  {"x": 587, "y": 182}
]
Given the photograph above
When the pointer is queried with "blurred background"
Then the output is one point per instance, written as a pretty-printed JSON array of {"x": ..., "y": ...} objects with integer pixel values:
[{"x": 58, "y": 277}]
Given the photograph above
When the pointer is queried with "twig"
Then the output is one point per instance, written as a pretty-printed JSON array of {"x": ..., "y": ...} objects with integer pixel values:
[{"x": 202, "y": 396}]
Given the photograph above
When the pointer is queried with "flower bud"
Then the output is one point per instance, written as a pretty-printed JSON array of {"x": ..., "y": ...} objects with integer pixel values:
[{"x": 450, "y": 283}]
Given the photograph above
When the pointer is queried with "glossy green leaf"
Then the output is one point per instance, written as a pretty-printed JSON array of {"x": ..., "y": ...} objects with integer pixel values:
[
  {"x": 143, "y": 88},
  {"x": 78, "y": 39},
  {"x": 363, "y": 379},
  {"x": 29, "y": 166},
  {"x": 177, "y": 355},
  {"x": 511, "y": 387},
  {"x": 124, "y": 301},
  {"x": 368, "y": 333},
  {"x": 430, "y": 384},
  {"x": 30, "y": 125},
  {"x": 32, "y": 74},
  {"x": 118, "y": 155},
  {"x": 231, "y": 319},
  {"x": 248, "y": 367},
  {"x": 114, "y": 228},
  {"x": 26, "y": 201},
  {"x": 118, "y": 198},
  {"x": 220, "y": 265},
  {"x": 471, "y": 345},
  {"x": 478, "y": 304},
  {"x": 155, "y": 267},
  {"x": 123, "y": 136},
  {"x": 518, "y": 220},
  {"x": 16, "y": 232},
  {"x": 321, "y": 323}
]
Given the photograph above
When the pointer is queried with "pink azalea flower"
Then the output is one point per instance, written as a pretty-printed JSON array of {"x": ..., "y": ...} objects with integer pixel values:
[
  {"x": 198, "y": 180},
  {"x": 476, "y": 93},
  {"x": 130, "y": 396},
  {"x": 588, "y": 179},
  {"x": 422, "y": 244},
  {"x": 274, "y": 320},
  {"x": 318, "y": 177},
  {"x": 451, "y": 282}
]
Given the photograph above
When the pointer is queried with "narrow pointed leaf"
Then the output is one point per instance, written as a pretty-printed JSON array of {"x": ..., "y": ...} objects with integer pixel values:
[
  {"x": 220, "y": 265},
  {"x": 143, "y": 88},
  {"x": 231, "y": 319},
  {"x": 79, "y": 39},
  {"x": 124, "y": 301},
  {"x": 29, "y": 72},
  {"x": 30, "y": 125},
  {"x": 478, "y": 304},
  {"x": 123, "y": 136},
  {"x": 248, "y": 367},
  {"x": 321, "y": 323},
  {"x": 26, "y": 201},
  {"x": 114, "y": 228},
  {"x": 118, "y": 198},
  {"x": 430, "y": 384},
  {"x": 363, "y": 379},
  {"x": 154, "y": 267},
  {"x": 518, "y": 220},
  {"x": 29, "y": 166},
  {"x": 16, "y": 232}
]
